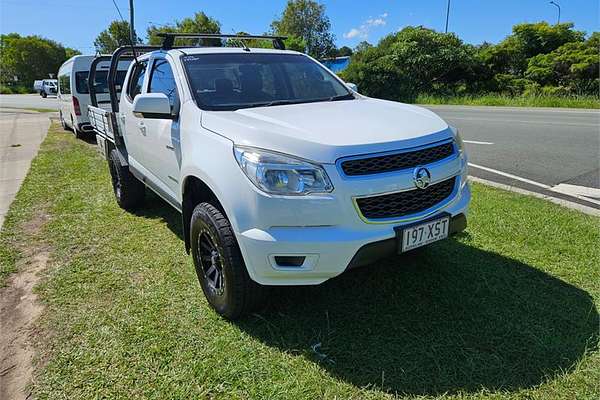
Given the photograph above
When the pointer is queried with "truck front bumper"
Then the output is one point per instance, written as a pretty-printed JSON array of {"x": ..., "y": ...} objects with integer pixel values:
[{"x": 327, "y": 251}]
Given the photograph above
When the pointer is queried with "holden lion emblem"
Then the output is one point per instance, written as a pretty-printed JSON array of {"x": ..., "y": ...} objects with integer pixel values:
[{"x": 421, "y": 177}]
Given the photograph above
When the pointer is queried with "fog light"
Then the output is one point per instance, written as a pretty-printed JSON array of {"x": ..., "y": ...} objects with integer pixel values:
[{"x": 289, "y": 261}]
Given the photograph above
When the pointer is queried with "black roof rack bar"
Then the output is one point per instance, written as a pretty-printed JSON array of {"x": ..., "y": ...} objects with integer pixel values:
[
  {"x": 92, "y": 78},
  {"x": 121, "y": 52},
  {"x": 169, "y": 38}
]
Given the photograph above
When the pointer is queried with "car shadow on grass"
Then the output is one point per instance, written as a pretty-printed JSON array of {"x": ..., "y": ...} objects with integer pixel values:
[{"x": 453, "y": 318}]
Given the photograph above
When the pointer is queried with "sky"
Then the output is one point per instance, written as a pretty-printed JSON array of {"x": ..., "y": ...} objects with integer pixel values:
[{"x": 75, "y": 23}]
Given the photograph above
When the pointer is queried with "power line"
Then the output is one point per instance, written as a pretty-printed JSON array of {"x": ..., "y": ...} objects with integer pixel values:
[{"x": 119, "y": 11}]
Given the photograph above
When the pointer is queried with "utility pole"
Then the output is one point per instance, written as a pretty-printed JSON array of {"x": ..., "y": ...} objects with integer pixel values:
[
  {"x": 131, "y": 26},
  {"x": 447, "y": 15},
  {"x": 557, "y": 6}
]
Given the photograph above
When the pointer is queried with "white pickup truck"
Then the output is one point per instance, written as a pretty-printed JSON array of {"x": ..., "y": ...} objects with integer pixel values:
[
  {"x": 45, "y": 87},
  {"x": 283, "y": 174}
]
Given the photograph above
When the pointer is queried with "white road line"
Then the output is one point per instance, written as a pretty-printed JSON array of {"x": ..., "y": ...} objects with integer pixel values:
[
  {"x": 534, "y": 183},
  {"x": 511, "y": 176},
  {"x": 476, "y": 142}
]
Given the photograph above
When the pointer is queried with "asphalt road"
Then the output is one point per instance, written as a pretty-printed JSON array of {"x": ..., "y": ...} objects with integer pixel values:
[
  {"x": 28, "y": 101},
  {"x": 551, "y": 151},
  {"x": 550, "y": 146}
]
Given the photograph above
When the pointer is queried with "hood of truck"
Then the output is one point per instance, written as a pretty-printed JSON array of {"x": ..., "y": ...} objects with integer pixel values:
[{"x": 326, "y": 131}]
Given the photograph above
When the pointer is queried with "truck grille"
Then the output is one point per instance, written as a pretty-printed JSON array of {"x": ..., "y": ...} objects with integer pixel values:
[
  {"x": 398, "y": 161},
  {"x": 405, "y": 203}
]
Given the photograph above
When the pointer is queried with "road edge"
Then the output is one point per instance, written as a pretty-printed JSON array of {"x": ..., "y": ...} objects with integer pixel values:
[{"x": 565, "y": 203}]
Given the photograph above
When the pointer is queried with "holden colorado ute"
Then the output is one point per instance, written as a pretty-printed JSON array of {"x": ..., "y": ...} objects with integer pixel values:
[{"x": 282, "y": 173}]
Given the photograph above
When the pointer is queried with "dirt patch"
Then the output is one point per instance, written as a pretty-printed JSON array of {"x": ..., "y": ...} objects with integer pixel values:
[{"x": 19, "y": 310}]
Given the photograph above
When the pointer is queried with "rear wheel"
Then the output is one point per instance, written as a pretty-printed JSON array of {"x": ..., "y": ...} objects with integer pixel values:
[
  {"x": 78, "y": 134},
  {"x": 63, "y": 123},
  {"x": 220, "y": 266},
  {"x": 129, "y": 191},
  {"x": 43, "y": 94}
]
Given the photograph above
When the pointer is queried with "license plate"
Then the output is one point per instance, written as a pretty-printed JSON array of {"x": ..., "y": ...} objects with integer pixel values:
[{"x": 423, "y": 234}]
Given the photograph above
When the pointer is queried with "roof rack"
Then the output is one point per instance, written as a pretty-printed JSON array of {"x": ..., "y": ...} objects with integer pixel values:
[{"x": 169, "y": 38}]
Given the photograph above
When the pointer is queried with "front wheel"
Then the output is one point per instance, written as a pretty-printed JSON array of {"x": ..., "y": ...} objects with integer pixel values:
[
  {"x": 220, "y": 266},
  {"x": 43, "y": 94}
]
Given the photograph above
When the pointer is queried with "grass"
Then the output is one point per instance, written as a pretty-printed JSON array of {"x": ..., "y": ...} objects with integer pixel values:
[
  {"x": 590, "y": 102},
  {"x": 507, "y": 310}
]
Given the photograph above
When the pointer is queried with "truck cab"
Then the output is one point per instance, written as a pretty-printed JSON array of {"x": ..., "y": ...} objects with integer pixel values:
[{"x": 283, "y": 174}]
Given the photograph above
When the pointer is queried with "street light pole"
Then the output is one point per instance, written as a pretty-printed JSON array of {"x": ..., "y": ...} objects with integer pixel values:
[
  {"x": 447, "y": 15},
  {"x": 131, "y": 27},
  {"x": 557, "y": 6}
]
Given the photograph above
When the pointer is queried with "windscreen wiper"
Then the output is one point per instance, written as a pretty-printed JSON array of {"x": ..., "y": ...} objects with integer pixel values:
[{"x": 342, "y": 97}]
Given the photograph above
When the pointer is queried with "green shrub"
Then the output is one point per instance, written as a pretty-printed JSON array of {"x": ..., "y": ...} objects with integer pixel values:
[{"x": 5, "y": 89}]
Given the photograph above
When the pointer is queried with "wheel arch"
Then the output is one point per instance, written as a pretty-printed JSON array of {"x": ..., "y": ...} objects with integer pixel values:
[{"x": 194, "y": 192}]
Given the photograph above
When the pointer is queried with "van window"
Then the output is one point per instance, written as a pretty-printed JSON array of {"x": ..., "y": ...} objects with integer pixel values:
[
  {"x": 162, "y": 81},
  {"x": 64, "y": 84},
  {"x": 100, "y": 81},
  {"x": 137, "y": 79}
]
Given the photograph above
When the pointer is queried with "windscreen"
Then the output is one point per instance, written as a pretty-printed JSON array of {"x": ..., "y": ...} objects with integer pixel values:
[
  {"x": 230, "y": 81},
  {"x": 101, "y": 85}
]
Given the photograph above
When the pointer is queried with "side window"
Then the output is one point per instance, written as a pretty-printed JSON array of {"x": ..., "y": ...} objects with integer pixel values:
[
  {"x": 64, "y": 84},
  {"x": 137, "y": 79},
  {"x": 162, "y": 81}
]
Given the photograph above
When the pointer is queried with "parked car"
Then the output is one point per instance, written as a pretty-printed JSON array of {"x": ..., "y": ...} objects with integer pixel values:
[
  {"x": 74, "y": 93},
  {"x": 45, "y": 87},
  {"x": 282, "y": 173}
]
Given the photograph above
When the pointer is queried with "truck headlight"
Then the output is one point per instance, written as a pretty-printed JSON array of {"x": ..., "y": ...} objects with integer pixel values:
[
  {"x": 463, "y": 156},
  {"x": 458, "y": 139},
  {"x": 281, "y": 174}
]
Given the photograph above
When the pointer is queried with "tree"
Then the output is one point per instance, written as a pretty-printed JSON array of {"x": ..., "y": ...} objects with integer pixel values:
[
  {"x": 527, "y": 40},
  {"x": 344, "y": 51},
  {"x": 28, "y": 58},
  {"x": 69, "y": 52},
  {"x": 413, "y": 61},
  {"x": 200, "y": 23},
  {"x": 573, "y": 67},
  {"x": 116, "y": 35},
  {"x": 306, "y": 19}
]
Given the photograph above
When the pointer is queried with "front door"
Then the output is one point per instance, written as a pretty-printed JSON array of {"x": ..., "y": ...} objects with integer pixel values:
[
  {"x": 163, "y": 134},
  {"x": 132, "y": 127}
]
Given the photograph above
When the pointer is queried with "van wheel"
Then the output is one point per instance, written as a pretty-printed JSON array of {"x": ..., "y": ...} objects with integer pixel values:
[
  {"x": 78, "y": 134},
  {"x": 220, "y": 266},
  {"x": 129, "y": 191},
  {"x": 63, "y": 123},
  {"x": 43, "y": 94}
]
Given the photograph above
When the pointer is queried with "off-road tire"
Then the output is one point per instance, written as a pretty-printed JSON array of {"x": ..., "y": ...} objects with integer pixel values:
[
  {"x": 129, "y": 191},
  {"x": 240, "y": 294}
]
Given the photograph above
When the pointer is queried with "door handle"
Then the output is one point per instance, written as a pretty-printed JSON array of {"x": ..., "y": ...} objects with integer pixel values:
[{"x": 142, "y": 129}]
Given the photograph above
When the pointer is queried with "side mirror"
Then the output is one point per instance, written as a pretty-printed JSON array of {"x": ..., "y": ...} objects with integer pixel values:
[
  {"x": 352, "y": 86},
  {"x": 152, "y": 105}
]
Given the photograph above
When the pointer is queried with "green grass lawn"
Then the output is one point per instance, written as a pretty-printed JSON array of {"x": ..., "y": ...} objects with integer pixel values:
[
  {"x": 508, "y": 309},
  {"x": 590, "y": 102}
]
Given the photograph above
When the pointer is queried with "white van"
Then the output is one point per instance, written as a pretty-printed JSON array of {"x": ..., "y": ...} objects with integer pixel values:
[{"x": 74, "y": 94}]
